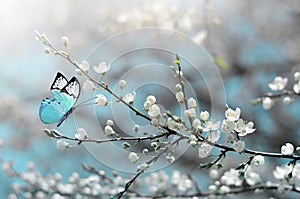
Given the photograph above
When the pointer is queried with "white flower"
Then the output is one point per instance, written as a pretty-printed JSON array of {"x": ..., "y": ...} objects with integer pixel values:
[
  {"x": 287, "y": 149},
  {"x": 65, "y": 188},
  {"x": 154, "y": 111},
  {"x": 62, "y": 145},
  {"x": 145, "y": 151},
  {"x": 296, "y": 87},
  {"x": 101, "y": 100},
  {"x": 129, "y": 97},
  {"x": 170, "y": 159},
  {"x": 154, "y": 122},
  {"x": 212, "y": 188},
  {"x": 281, "y": 172},
  {"x": 143, "y": 166},
  {"x": 251, "y": 177},
  {"x": 151, "y": 99},
  {"x": 214, "y": 174},
  {"x": 176, "y": 178},
  {"x": 224, "y": 189},
  {"x": 192, "y": 138},
  {"x": 147, "y": 105},
  {"x": 102, "y": 68},
  {"x": 196, "y": 123},
  {"x": 239, "y": 146},
  {"x": 178, "y": 87},
  {"x": 180, "y": 96},
  {"x": 204, "y": 150},
  {"x": 85, "y": 66},
  {"x": 267, "y": 103},
  {"x": 172, "y": 124},
  {"x": 297, "y": 76},
  {"x": 65, "y": 41},
  {"x": 190, "y": 113},
  {"x": 109, "y": 122},
  {"x": 228, "y": 126},
  {"x": 192, "y": 103},
  {"x": 211, "y": 126},
  {"x": 88, "y": 86},
  {"x": 204, "y": 115},
  {"x": 258, "y": 160},
  {"x": 122, "y": 83},
  {"x": 230, "y": 138},
  {"x": 213, "y": 136},
  {"x": 81, "y": 134},
  {"x": 296, "y": 171},
  {"x": 231, "y": 177},
  {"x": 232, "y": 115},
  {"x": 287, "y": 100},
  {"x": 244, "y": 128},
  {"x": 108, "y": 130},
  {"x": 185, "y": 185},
  {"x": 133, "y": 157},
  {"x": 278, "y": 83}
]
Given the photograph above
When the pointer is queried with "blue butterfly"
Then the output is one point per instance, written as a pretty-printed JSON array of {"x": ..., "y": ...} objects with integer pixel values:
[{"x": 65, "y": 93}]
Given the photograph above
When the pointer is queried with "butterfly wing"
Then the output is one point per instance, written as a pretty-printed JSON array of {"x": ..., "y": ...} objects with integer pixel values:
[
  {"x": 51, "y": 110},
  {"x": 58, "y": 84},
  {"x": 70, "y": 93},
  {"x": 67, "y": 92}
]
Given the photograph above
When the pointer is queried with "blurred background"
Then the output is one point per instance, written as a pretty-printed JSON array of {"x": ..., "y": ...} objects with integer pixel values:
[{"x": 252, "y": 41}]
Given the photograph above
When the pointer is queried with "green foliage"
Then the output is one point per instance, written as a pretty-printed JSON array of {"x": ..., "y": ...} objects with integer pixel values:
[
  {"x": 206, "y": 165},
  {"x": 255, "y": 101},
  {"x": 219, "y": 61}
]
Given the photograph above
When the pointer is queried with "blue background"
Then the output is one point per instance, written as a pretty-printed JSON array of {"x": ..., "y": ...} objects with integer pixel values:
[{"x": 258, "y": 40}]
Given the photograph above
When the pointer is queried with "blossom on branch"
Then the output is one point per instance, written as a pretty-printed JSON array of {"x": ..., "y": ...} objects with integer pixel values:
[
  {"x": 62, "y": 145},
  {"x": 129, "y": 97},
  {"x": 102, "y": 68},
  {"x": 233, "y": 115},
  {"x": 88, "y": 86},
  {"x": 101, "y": 100},
  {"x": 81, "y": 134},
  {"x": 287, "y": 149},
  {"x": 278, "y": 83},
  {"x": 204, "y": 150}
]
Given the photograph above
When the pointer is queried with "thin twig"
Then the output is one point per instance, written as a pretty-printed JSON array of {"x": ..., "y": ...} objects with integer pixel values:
[{"x": 149, "y": 162}]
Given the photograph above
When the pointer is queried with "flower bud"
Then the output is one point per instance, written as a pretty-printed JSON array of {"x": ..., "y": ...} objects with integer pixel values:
[
  {"x": 108, "y": 130},
  {"x": 151, "y": 99},
  {"x": 192, "y": 103},
  {"x": 133, "y": 157},
  {"x": 122, "y": 84},
  {"x": 204, "y": 115},
  {"x": 65, "y": 41},
  {"x": 180, "y": 96},
  {"x": 101, "y": 100}
]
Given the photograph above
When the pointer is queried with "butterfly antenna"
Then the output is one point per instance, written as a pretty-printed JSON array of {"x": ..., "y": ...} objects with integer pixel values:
[{"x": 84, "y": 103}]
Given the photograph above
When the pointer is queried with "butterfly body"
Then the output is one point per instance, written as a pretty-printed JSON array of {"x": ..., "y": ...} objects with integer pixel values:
[{"x": 65, "y": 94}]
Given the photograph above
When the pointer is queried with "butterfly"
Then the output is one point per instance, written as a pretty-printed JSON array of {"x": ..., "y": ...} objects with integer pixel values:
[{"x": 65, "y": 95}]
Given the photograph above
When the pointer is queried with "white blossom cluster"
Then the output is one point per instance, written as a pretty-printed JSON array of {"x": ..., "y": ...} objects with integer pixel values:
[
  {"x": 232, "y": 179},
  {"x": 96, "y": 185},
  {"x": 199, "y": 130},
  {"x": 53, "y": 186},
  {"x": 279, "y": 85},
  {"x": 160, "y": 14},
  {"x": 159, "y": 183}
]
